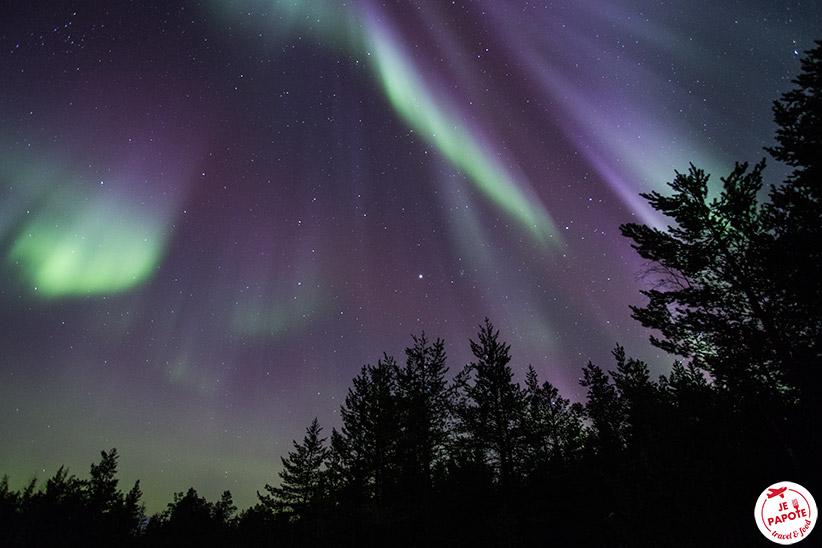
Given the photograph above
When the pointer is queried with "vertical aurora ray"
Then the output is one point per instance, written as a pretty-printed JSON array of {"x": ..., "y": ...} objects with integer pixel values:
[
  {"x": 629, "y": 82},
  {"x": 610, "y": 126},
  {"x": 414, "y": 101}
]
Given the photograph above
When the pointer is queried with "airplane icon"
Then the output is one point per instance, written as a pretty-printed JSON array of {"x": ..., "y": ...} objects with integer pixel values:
[{"x": 780, "y": 491}]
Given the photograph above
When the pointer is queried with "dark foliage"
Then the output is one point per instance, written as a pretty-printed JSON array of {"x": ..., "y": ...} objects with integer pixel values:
[
  {"x": 68, "y": 511},
  {"x": 491, "y": 407},
  {"x": 303, "y": 486},
  {"x": 192, "y": 521}
]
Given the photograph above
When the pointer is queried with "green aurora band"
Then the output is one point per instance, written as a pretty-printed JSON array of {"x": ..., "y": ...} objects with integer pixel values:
[
  {"x": 415, "y": 104},
  {"x": 73, "y": 240},
  {"x": 364, "y": 33},
  {"x": 86, "y": 249}
]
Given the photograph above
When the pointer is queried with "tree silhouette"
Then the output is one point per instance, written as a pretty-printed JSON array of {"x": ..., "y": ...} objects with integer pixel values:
[
  {"x": 69, "y": 511},
  {"x": 711, "y": 303},
  {"x": 121, "y": 512},
  {"x": 369, "y": 430},
  {"x": 492, "y": 405},
  {"x": 424, "y": 419},
  {"x": 793, "y": 215},
  {"x": 102, "y": 485},
  {"x": 553, "y": 429},
  {"x": 190, "y": 520},
  {"x": 63, "y": 507},
  {"x": 798, "y": 115},
  {"x": 639, "y": 396},
  {"x": 303, "y": 477},
  {"x": 424, "y": 401},
  {"x": 605, "y": 410},
  {"x": 739, "y": 283}
]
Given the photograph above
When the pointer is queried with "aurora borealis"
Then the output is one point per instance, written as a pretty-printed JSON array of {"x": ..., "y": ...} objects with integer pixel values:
[{"x": 213, "y": 213}]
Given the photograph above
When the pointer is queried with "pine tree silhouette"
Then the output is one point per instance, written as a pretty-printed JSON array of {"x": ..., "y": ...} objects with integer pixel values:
[{"x": 303, "y": 484}]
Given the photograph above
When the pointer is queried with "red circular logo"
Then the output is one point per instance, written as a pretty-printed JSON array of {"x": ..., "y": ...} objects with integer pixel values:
[{"x": 785, "y": 512}]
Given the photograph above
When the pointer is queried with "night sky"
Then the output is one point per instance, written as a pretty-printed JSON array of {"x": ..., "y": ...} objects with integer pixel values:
[{"x": 212, "y": 214}]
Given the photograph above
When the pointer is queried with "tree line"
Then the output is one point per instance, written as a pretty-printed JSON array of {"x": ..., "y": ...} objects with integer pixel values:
[{"x": 426, "y": 457}]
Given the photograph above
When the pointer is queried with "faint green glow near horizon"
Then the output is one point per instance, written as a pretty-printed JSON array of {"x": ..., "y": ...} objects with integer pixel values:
[{"x": 72, "y": 248}]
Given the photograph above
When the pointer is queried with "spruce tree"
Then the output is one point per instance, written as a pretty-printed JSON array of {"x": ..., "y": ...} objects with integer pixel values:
[
  {"x": 302, "y": 486},
  {"x": 370, "y": 430},
  {"x": 492, "y": 406},
  {"x": 640, "y": 398},
  {"x": 553, "y": 429},
  {"x": 794, "y": 215},
  {"x": 424, "y": 400},
  {"x": 606, "y": 411}
]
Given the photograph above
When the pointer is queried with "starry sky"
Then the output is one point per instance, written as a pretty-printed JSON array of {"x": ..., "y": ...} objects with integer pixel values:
[{"x": 213, "y": 213}]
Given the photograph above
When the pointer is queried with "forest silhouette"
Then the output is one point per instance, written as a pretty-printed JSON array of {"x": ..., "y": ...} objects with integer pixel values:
[{"x": 427, "y": 457}]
